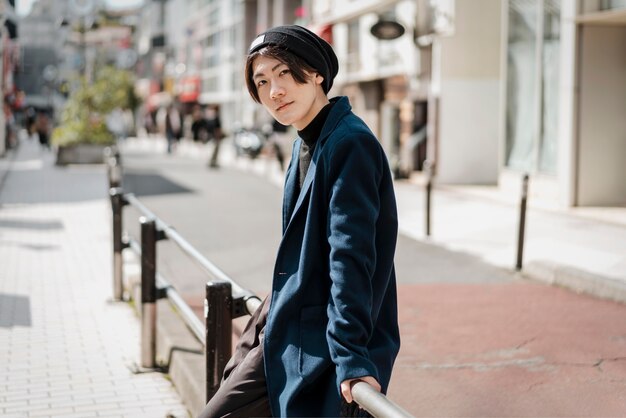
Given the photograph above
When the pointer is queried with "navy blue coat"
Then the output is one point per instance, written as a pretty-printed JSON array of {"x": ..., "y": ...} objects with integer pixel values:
[{"x": 333, "y": 312}]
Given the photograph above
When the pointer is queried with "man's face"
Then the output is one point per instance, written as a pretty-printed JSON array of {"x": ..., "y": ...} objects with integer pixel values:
[{"x": 288, "y": 102}]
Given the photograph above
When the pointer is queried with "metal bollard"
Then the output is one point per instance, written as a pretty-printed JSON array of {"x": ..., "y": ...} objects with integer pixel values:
[
  {"x": 428, "y": 168},
  {"x": 114, "y": 168},
  {"x": 107, "y": 155},
  {"x": 148, "y": 292},
  {"x": 218, "y": 314},
  {"x": 117, "y": 203},
  {"x": 522, "y": 223}
]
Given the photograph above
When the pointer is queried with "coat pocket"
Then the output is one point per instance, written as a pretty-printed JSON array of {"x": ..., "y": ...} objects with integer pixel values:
[{"x": 314, "y": 354}]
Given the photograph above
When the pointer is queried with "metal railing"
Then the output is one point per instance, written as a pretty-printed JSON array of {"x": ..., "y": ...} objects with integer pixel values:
[
  {"x": 375, "y": 402},
  {"x": 224, "y": 300}
]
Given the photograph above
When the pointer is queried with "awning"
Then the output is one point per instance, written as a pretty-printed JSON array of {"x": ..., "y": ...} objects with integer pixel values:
[
  {"x": 189, "y": 89},
  {"x": 323, "y": 31}
]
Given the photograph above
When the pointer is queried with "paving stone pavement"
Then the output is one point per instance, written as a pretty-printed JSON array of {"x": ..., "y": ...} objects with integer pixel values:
[{"x": 66, "y": 350}]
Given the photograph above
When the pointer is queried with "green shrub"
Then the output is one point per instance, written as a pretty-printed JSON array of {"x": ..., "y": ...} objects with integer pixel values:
[{"x": 83, "y": 117}]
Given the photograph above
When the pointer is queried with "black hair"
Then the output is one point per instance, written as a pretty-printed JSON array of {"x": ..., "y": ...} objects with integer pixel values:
[{"x": 298, "y": 67}]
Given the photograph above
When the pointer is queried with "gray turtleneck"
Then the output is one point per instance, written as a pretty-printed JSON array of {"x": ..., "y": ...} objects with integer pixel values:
[{"x": 309, "y": 136}]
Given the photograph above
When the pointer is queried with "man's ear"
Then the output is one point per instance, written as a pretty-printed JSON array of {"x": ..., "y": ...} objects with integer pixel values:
[{"x": 319, "y": 79}]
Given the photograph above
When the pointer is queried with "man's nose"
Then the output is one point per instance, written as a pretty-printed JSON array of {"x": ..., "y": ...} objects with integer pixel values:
[{"x": 276, "y": 90}]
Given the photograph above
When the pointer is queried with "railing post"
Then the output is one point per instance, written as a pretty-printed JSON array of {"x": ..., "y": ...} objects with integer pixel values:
[
  {"x": 148, "y": 292},
  {"x": 114, "y": 168},
  {"x": 117, "y": 203},
  {"x": 428, "y": 168},
  {"x": 522, "y": 223},
  {"x": 218, "y": 342}
]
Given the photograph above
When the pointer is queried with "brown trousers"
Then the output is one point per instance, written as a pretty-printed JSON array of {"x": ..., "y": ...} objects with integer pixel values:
[{"x": 243, "y": 391}]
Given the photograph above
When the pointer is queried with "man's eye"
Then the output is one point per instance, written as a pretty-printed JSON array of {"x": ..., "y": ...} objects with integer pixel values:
[
  {"x": 283, "y": 72},
  {"x": 260, "y": 83}
]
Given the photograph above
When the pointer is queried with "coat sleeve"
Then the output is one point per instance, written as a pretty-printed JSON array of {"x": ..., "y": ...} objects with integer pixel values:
[{"x": 354, "y": 175}]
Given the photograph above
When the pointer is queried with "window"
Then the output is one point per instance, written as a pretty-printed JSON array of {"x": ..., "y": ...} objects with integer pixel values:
[
  {"x": 210, "y": 83},
  {"x": 533, "y": 85},
  {"x": 214, "y": 18},
  {"x": 354, "y": 58},
  {"x": 612, "y": 4},
  {"x": 550, "y": 87},
  {"x": 211, "y": 51}
]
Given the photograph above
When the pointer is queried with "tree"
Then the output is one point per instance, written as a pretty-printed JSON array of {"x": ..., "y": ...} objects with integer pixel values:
[{"x": 83, "y": 117}]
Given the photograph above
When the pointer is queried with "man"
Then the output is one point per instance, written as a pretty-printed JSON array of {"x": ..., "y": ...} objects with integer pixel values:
[{"x": 331, "y": 318}]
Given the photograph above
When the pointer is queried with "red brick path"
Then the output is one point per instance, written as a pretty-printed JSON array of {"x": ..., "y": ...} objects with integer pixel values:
[{"x": 514, "y": 349}]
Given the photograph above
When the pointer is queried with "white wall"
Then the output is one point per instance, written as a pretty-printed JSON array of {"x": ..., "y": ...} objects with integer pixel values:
[
  {"x": 602, "y": 129},
  {"x": 469, "y": 90},
  {"x": 468, "y": 145}
]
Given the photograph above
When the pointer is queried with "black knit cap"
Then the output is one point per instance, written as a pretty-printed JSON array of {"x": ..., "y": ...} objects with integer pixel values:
[{"x": 305, "y": 44}]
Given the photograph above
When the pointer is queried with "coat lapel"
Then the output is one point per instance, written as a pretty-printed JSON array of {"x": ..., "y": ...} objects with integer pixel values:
[
  {"x": 339, "y": 110},
  {"x": 308, "y": 180},
  {"x": 289, "y": 198}
]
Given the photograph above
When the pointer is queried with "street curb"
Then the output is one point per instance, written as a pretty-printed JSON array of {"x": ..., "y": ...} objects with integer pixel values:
[{"x": 576, "y": 280}]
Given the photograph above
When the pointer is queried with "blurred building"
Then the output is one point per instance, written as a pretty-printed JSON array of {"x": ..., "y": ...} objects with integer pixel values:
[
  {"x": 215, "y": 45},
  {"x": 9, "y": 62},
  {"x": 382, "y": 77},
  {"x": 61, "y": 40},
  {"x": 534, "y": 86},
  {"x": 160, "y": 38},
  {"x": 193, "y": 51},
  {"x": 219, "y": 32},
  {"x": 513, "y": 87},
  {"x": 487, "y": 90},
  {"x": 41, "y": 53}
]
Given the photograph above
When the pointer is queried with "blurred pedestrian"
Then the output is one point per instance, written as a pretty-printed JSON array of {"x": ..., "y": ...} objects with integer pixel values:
[
  {"x": 199, "y": 126},
  {"x": 42, "y": 127},
  {"x": 149, "y": 124},
  {"x": 173, "y": 127},
  {"x": 331, "y": 318},
  {"x": 214, "y": 128},
  {"x": 29, "y": 120},
  {"x": 10, "y": 133}
]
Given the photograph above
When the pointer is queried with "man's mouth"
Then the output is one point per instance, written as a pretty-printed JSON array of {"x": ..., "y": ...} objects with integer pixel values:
[{"x": 283, "y": 106}]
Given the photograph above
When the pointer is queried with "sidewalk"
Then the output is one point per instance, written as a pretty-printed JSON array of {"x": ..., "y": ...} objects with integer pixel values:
[
  {"x": 66, "y": 349},
  {"x": 583, "y": 249},
  {"x": 574, "y": 248}
]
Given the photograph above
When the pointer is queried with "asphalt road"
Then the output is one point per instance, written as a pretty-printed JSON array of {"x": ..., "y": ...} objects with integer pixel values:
[{"x": 231, "y": 217}]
